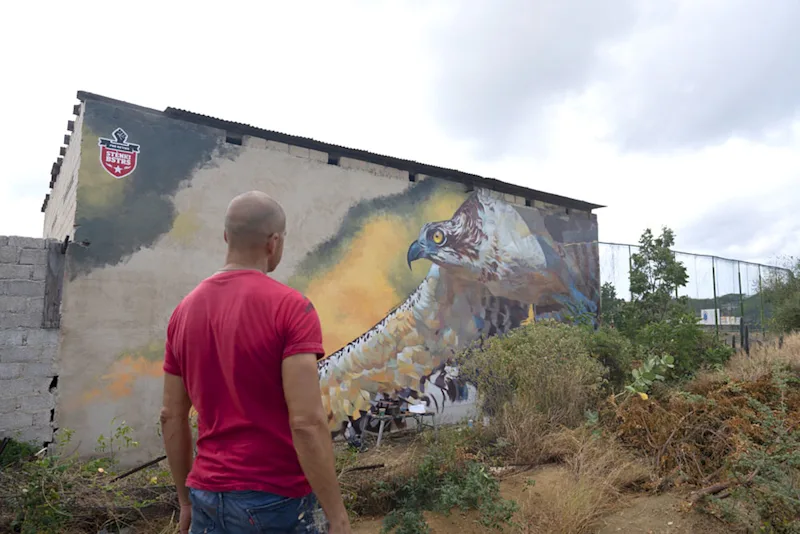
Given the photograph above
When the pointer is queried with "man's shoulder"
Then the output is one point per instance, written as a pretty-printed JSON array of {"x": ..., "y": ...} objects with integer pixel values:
[
  {"x": 278, "y": 293},
  {"x": 294, "y": 298}
]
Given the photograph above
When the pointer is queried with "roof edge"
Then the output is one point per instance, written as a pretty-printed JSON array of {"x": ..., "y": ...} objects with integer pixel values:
[
  {"x": 83, "y": 96},
  {"x": 413, "y": 167}
]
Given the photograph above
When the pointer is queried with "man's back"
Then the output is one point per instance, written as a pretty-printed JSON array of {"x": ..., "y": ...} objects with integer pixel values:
[{"x": 227, "y": 340}]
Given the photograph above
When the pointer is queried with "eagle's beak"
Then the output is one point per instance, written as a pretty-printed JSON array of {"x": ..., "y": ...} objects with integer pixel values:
[{"x": 415, "y": 252}]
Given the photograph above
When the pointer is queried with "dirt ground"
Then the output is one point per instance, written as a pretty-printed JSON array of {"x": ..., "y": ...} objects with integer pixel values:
[
  {"x": 635, "y": 514},
  {"x": 658, "y": 514}
]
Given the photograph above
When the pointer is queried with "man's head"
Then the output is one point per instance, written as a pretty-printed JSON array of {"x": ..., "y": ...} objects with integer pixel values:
[{"x": 255, "y": 226}]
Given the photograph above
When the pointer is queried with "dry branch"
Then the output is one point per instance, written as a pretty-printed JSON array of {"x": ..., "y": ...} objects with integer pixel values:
[{"x": 722, "y": 486}]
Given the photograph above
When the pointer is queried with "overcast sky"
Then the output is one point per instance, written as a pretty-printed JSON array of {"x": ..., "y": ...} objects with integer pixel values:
[{"x": 678, "y": 113}]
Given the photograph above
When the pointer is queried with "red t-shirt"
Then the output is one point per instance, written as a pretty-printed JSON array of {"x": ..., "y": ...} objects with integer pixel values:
[{"x": 227, "y": 340}]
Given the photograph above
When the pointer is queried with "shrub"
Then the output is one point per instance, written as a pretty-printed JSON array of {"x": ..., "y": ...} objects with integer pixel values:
[
  {"x": 615, "y": 351},
  {"x": 656, "y": 319},
  {"x": 544, "y": 367},
  {"x": 681, "y": 337}
]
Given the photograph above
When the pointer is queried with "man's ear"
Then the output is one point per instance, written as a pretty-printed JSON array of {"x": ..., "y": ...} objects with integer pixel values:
[
  {"x": 272, "y": 244},
  {"x": 225, "y": 236}
]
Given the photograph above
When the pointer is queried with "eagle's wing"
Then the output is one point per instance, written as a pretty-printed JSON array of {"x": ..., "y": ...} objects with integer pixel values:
[{"x": 414, "y": 341}]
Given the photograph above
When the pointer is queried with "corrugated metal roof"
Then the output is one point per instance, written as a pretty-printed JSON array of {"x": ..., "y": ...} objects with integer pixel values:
[{"x": 337, "y": 151}]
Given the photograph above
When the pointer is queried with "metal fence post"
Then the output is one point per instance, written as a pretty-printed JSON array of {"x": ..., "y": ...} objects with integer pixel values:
[
  {"x": 630, "y": 270},
  {"x": 741, "y": 299},
  {"x": 761, "y": 296},
  {"x": 716, "y": 305},
  {"x": 741, "y": 295}
]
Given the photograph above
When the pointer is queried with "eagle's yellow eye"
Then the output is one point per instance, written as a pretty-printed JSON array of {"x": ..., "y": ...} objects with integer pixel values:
[{"x": 438, "y": 237}]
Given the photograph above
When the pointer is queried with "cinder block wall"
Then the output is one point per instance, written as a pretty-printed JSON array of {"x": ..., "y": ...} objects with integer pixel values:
[{"x": 28, "y": 374}]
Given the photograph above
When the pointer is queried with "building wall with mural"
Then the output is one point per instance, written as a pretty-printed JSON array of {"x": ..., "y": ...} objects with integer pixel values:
[{"x": 404, "y": 269}]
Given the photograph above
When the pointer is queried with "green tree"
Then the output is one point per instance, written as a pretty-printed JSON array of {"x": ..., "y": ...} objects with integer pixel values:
[
  {"x": 782, "y": 290},
  {"x": 610, "y": 304},
  {"x": 656, "y": 319},
  {"x": 656, "y": 275}
]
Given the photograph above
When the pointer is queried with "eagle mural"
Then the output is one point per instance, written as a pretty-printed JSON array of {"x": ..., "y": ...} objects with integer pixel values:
[{"x": 489, "y": 273}]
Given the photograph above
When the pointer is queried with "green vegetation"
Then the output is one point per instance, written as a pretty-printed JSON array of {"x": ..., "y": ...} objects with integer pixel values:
[
  {"x": 55, "y": 493},
  {"x": 546, "y": 366},
  {"x": 783, "y": 293},
  {"x": 768, "y": 470},
  {"x": 16, "y": 452},
  {"x": 655, "y": 320},
  {"x": 443, "y": 474},
  {"x": 445, "y": 479}
]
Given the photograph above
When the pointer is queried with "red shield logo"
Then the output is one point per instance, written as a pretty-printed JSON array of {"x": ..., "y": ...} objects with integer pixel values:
[{"x": 117, "y": 156}]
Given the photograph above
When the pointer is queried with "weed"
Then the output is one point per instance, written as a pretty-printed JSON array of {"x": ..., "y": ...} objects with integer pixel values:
[
  {"x": 16, "y": 452},
  {"x": 55, "y": 494},
  {"x": 466, "y": 486},
  {"x": 574, "y": 497},
  {"x": 120, "y": 436},
  {"x": 654, "y": 368},
  {"x": 436, "y": 475}
]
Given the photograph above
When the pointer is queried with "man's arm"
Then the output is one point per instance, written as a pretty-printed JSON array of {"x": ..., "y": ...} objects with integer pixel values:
[
  {"x": 177, "y": 433},
  {"x": 311, "y": 436}
]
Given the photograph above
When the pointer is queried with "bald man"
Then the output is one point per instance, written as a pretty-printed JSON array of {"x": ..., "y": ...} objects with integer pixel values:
[{"x": 242, "y": 348}]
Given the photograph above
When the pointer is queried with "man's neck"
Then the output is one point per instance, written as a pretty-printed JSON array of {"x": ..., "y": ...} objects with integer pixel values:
[{"x": 242, "y": 266}]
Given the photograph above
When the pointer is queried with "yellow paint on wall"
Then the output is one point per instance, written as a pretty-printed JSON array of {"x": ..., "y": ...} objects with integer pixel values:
[
  {"x": 363, "y": 287},
  {"x": 92, "y": 395},
  {"x": 118, "y": 382},
  {"x": 185, "y": 227},
  {"x": 531, "y": 318},
  {"x": 125, "y": 372},
  {"x": 99, "y": 193}
]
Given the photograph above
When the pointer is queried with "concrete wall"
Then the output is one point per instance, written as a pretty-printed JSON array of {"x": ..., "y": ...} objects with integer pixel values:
[
  {"x": 59, "y": 215},
  {"x": 27, "y": 351},
  {"x": 148, "y": 237}
]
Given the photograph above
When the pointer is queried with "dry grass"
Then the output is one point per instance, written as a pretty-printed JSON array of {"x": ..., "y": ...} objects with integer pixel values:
[
  {"x": 520, "y": 435},
  {"x": 595, "y": 473},
  {"x": 692, "y": 436},
  {"x": 763, "y": 358}
]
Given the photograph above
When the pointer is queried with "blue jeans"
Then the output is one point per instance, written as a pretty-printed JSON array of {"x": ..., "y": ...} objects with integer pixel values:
[{"x": 235, "y": 512}]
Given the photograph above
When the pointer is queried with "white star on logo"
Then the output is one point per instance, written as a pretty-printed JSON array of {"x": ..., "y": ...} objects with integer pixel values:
[{"x": 117, "y": 169}]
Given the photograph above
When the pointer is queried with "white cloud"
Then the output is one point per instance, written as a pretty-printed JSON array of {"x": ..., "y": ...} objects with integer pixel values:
[
  {"x": 558, "y": 107},
  {"x": 704, "y": 72}
]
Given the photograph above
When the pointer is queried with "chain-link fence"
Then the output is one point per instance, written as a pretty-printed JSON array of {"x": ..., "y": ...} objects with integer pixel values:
[{"x": 726, "y": 294}]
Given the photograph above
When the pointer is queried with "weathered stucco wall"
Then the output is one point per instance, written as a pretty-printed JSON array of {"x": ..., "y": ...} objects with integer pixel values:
[
  {"x": 59, "y": 213},
  {"x": 28, "y": 351},
  {"x": 149, "y": 222}
]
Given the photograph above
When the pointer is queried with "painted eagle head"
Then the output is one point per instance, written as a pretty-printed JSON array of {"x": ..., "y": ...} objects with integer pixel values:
[{"x": 452, "y": 243}]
